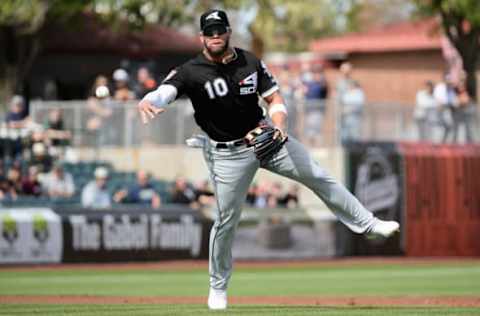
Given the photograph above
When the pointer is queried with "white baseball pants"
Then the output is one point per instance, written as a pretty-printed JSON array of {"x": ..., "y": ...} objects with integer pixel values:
[{"x": 232, "y": 170}]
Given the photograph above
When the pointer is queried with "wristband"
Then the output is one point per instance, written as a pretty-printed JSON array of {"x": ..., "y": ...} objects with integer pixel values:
[{"x": 274, "y": 108}]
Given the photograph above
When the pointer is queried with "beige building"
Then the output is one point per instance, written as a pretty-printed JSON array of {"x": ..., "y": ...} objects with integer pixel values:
[{"x": 391, "y": 62}]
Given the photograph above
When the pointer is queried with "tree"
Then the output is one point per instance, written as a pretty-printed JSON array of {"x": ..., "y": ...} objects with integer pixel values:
[
  {"x": 21, "y": 22},
  {"x": 286, "y": 25},
  {"x": 461, "y": 24},
  {"x": 283, "y": 25},
  {"x": 361, "y": 15}
]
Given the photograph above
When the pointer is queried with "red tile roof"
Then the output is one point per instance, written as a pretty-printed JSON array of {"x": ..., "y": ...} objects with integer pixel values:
[{"x": 404, "y": 36}]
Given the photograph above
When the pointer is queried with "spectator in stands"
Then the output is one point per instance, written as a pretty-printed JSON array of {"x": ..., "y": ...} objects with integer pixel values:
[
  {"x": 252, "y": 195},
  {"x": 343, "y": 84},
  {"x": 290, "y": 199},
  {"x": 122, "y": 91},
  {"x": 3, "y": 181},
  {"x": 316, "y": 93},
  {"x": 7, "y": 193},
  {"x": 145, "y": 83},
  {"x": 204, "y": 196},
  {"x": 141, "y": 192},
  {"x": 40, "y": 158},
  {"x": 100, "y": 88},
  {"x": 446, "y": 96},
  {"x": 465, "y": 111},
  {"x": 275, "y": 193},
  {"x": 425, "y": 112},
  {"x": 262, "y": 195},
  {"x": 58, "y": 183},
  {"x": 101, "y": 110},
  {"x": 17, "y": 115},
  {"x": 97, "y": 103},
  {"x": 14, "y": 178},
  {"x": 55, "y": 131},
  {"x": 16, "y": 118},
  {"x": 353, "y": 102},
  {"x": 290, "y": 86},
  {"x": 182, "y": 192},
  {"x": 31, "y": 184},
  {"x": 95, "y": 193}
]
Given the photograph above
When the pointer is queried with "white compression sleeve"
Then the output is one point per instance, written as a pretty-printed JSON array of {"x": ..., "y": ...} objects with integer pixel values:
[{"x": 161, "y": 97}]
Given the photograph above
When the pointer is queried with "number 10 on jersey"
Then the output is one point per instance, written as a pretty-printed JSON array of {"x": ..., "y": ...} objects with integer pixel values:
[{"x": 218, "y": 88}]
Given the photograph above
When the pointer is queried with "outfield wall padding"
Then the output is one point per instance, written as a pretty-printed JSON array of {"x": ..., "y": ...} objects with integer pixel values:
[
  {"x": 442, "y": 199},
  {"x": 438, "y": 202}
]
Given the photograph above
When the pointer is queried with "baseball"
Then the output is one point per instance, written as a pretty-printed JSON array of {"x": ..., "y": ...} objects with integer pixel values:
[{"x": 102, "y": 92}]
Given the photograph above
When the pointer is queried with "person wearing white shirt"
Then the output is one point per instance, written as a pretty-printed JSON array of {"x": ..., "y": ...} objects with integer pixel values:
[
  {"x": 446, "y": 97},
  {"x": 58, "y": 183},
  {"x": 95, "y": 194},
  {"x": 353, "y": 101},
  {"x": 425, "y": 112}
]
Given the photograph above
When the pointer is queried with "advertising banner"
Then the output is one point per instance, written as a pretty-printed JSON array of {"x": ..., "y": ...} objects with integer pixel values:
[
  {"x": 134, "y": 234},
  {"x": 30, "y": 235},
  {"x": 374, "y": 174}
]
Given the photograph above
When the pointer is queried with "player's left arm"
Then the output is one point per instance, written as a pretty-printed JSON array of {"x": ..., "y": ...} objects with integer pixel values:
[
  {"x": 277, "y": 110},
  {"x": 269, "y": 90},
  {"x": 267, "y": 140}
]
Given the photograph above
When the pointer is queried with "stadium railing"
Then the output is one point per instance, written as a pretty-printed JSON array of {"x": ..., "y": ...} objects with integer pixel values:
[{"x": 386, "y": 121}]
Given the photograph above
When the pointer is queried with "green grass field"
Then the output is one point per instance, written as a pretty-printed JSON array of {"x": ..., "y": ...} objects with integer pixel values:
[
  {"x": 391, "y": 280},
  {"x": 200, "y": 310}
]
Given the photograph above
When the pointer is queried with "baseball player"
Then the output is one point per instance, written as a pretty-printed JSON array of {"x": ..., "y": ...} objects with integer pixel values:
[{"x": 223, "y": 84}]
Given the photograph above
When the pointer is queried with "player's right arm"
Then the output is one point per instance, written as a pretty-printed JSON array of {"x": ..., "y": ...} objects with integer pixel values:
[{"x": 156, "y": 101}]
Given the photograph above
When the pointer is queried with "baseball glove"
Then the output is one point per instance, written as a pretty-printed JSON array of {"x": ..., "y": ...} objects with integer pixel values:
[{"x": 267, "y": 141}]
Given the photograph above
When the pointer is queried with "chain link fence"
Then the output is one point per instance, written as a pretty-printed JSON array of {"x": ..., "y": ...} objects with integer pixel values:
[{"x": 118, "y": 124}]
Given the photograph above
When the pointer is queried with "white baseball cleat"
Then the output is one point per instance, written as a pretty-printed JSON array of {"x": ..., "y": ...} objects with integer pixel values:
[
  {"x": 217, "y": 299},
  {"x": 383, "y": 229}
]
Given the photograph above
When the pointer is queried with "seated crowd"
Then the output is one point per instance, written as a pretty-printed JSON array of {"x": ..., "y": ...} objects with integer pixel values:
[
  {"x": 97, "y": 185},
  {"x": 19, "y": 130}
]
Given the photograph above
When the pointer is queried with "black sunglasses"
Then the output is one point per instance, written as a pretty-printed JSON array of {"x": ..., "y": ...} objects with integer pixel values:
[{"x": 214, "y": 30}]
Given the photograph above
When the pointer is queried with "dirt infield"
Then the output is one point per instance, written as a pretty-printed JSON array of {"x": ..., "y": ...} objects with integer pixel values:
[{"x": 459, "y": 301}]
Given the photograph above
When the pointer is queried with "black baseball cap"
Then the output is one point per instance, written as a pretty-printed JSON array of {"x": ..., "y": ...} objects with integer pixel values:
[{"x": 213, "y": 17}]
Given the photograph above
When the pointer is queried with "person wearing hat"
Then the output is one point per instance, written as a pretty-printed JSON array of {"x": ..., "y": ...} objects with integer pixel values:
[
  {"x": 145, "y": 82},
  {"x": 122, "y": 91},
  {"x": 224, "y": 84},
  {"x": 16, "y": 118},
  {"x": 17, "y": 115},
  {"x": 95, "y": 193},
  {"x": 141, "y": 192},
  {"x": 58, "y": 184}
]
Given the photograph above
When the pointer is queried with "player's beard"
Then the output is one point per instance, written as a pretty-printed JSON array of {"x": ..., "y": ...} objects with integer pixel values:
[{"x": 218, "y": 52}]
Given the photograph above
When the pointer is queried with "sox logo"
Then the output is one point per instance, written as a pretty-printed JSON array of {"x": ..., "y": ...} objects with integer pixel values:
[
  {"x": 251, "y": 82},
  {"x": 213, "y": 15}
]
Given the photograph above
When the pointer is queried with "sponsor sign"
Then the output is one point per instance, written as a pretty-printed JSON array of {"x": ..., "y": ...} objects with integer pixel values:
[
  {"x": 134, "y": 235},
  {"x": 375, "y": 176},
  {"x": 30, "y": 235}
]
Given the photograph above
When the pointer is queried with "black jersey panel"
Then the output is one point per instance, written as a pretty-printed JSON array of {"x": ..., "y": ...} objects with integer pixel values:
[{"x": 224, "y": 96}]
